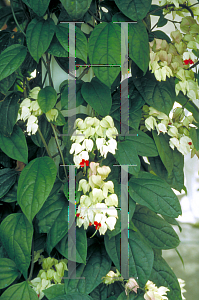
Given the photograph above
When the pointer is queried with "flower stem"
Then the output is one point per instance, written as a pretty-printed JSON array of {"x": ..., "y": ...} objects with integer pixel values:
[
  {"x": 32, "y": 262},
  {"x": 13, "y": 13},
  {"x": 44, "y": 142}
]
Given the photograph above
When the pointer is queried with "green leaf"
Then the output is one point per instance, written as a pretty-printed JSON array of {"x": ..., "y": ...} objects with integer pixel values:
[
  {"x": 98, "y": 265},
  {"x": 53, "y": 219},
  {"x": 156, "y": 230},
  {"x": 16, "y": 235},
  {"x": 11, "y": 59},
  {"x": 134, "y": 9},
  {"x": 15, "y": 146},
  {"x": 158, "y": 34},
  {"x": 46, "y": 131},
  {"x": 20, "y": 291},
  {"x": 139, "y": 45},
  {"x": 162, "y": 21},
  {"x": 7, "y": 82},
  {"x": 47, "y": 98},
  {"x": 162, "y": 275},
  {"x": 11, "y": 196},
  {"x": 113, "y": 249},
  {"x": 79, "y": 98},
  {"x": 127, "y": 155},
  {"x": 38, "y": 6},
  {"x": 141, "y": 258},
  {"x": 60, "y": 121},
  {"x": 34, "y": 186},
  {"x": 7, "y": 179},
  {"x": 165, "y": 151},
  {"x": 72, "y": 296},
  {"x": 154, "y": 193},
  {"x": 81, "y": 44},
  {"x": 76, "y": 9},
  {"x": 56, "y": 48},
  {"x": 39, "y": 34},
  {"x": 144, "y": 145},
  {"x": 132, "y": 296},
  {"x": 8, "y": 272},
  {"x": 98, "y": 96},
  {"x": 104, "y": 47},
  {"x": 81, "y": 246},
  {"x": 194, "y": 135},
  {"x": 54, "y": 291},
  {"x": 8, "y": 113}
]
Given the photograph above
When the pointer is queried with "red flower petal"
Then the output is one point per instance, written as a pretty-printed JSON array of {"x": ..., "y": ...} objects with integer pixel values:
[
  {"x": 169, "y": 123},
  {"x": 191, "y": 61},
  {"x": 77, "y": 215},
  {"x": 186, "y": 61},
  {"x": 90, "y": 224},
  {"x": 95, "y": 223},
  {"x": 99, "y": 225},
  {"x": 83, "y": 162},
  {"x": 190, "y": 143}
]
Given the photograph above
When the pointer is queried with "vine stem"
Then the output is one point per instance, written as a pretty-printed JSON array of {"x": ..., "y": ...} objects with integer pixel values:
[
  {"x": 32, "y": 262},
  {"x": 44, "y": 142},
  {"x": 47, "y": 66},
  {"x": 61, "y": 154},
  {"x": 13, "y": 13}
]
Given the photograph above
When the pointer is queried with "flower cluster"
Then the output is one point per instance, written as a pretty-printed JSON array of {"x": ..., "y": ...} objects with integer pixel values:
[
  {"x": 174, "y": 59},
  {"x": 91, "y": 130},
  {"x": 92, "y": 211},
  {"x": 51, "y": 273},
  {"x": 175, "y": 2},
  {"x": 30, "y": 110},
  {"x": 182, "y": 284},
  {"x": 155, "y": 293},
  {"x": 111, "y": 277},
  {"x": 177, "y": 128}
]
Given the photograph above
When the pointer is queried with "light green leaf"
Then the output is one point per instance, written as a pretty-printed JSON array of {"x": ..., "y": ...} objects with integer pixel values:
[
  {"x": 76, "y": 9},
  {"x": 98, "y": 96},
  {"x": 47, "y": 98},
  {"x": 16, "y": 235},
  {"x": 140, "y": 258},
  {"x": 139, "y": 45},
  {"x": 98, "y": 265},
  {"x": 15, "y": 146},
  {"x": 151, "y": 191},
  {"x": 127, "y": 155},
  {"x": 81, "y": 246},
  {"x": 162, "y": 275},
  {"x": 104, "y": 48},
  {"x": 19, "y": 291},
  {"x": 8, "y": 272},
  {"x": 144, "y": 145},
  {"x": 54, "y": 291},
  {"x": 39, "y": 34},
  {"x": 73, "y": 296},
  {"x": 7, "y": 179},
  {"x": 8, "y": 113},
  {"x": 34, "y": 186},
  {"x": 156, "y": 230},
  {"x": 53, "y": 219},
  {"x": 165, "y": 151},
  {"x": 38, "y": 6},
  {"x": 134, "y": 9},
  {"x": 11, "y": 59}
]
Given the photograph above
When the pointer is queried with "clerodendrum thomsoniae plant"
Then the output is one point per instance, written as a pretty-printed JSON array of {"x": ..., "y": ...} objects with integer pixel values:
[{"x": 69, "y": 199}]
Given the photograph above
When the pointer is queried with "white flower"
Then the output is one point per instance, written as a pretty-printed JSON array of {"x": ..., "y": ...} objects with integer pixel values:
[
  {"x": 78, "y": 158},
  {"x": 25, "y": 113},
  {"x": 84, "y": 185},
  {"x": 87, "y": 144},
  {"x": 76, "y": 147},
  {"x": 154, "y": 293},
  {"x": 111, "y": 212},
  {"x": 97, "y": 195},
  {"x": 131, "y": 285},
  {"x": 36, "y": 108},
  {"x": 112, "y": 200},
  {"x": 93, "y": 168},
  {"x": 32, "y": 125},
  {"x": 112, "y": 144},
  {"x": 108, "y": 187},
  {"x": 26, "y": 102},
  {"x": 95, "y": 181},
  {"x": 107, "y": 122},
  {"x": 111, "y": 221},
  {"x": 150, "y": 123},
  {"x": 77, "y": 136},
  {"x": 111, "y": 132},
  {"x": 173, "y": 131},
  {"x": 103, "y": 171},
  {"x": 52, "y": 114},
  {"x": 34, "y": 92},
  {"x": 174, "y": 142},
  {"x": 161, "y": 128},
  {"x": 185, "y": 145},
  {"x": 80, "y": 124},
  {"x": 100, "y": 142},
  {"x": 182, "y": 284}
]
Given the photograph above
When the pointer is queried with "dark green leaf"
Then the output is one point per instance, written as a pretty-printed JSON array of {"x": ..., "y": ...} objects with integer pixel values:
[
  {"x": 194, "y": 135},
  {"x": 54, "y": 291},
  {"x": 8, "y": 272},
  {"x": 113, "y": 249},
  {"x": 139, "y": 45},
  {"x": 34, "y": 186},
  {"x": 98, "y": 96},
  {"x": 38, "y": 6},
  {"x": 98, "y": 265},
  {"x": 155, "y": 229},
  {"x": 20, "y": 291},
  {"x": 165, "y": 151},
  {"x": 60, "y": 121},
  {"x": 158, "y": 34},
  {"x": 143, "y": 143},
  {"x": 47, "y": 98},
  {"x": 46, "y": 131},
  {"x": 8, "y": 113},
  {"x": 127, "y": 155},
  {"x": 76, "y": 9},
  {"x": 73, "y": 296},
  {"x": 162, "y": 275},
  {"x": 81, "y": 246},
  {"x": 151, "y": 191},
  {"x": 16, "y": 235},
  {"x": 134, "y": 9},
  {"x": 11, "y": 59},
  {"x": 56, "y": 48},
  {"x": 156, "y": 10},
  {"x": 39, "y": 34},
  {"x": 11, "y": 196},
  {"x": 162, "y": 21},
  {"x": 15, "y": 146},
  {"x": 105, "y": 48},
  {"x": 6, "y": 83},
  {"x": 7, "y": 179},
  {"x": 53, "y": 219},
  {"x": 64, "y": 95}
]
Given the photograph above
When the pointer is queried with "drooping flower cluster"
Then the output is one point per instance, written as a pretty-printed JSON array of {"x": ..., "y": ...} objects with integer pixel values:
[
  {"x": 175, "y": 2},
  {"x": 51, "y": 273},
  {"x": 30, "y": 110},
  {"x": 111, "y": 277},
  {"x": 155, "y": 293},
  {"x": 174, "y": 59},
  {"x": 177, "y": 127},
  {"x": 98, "y": 203},
  {"x": 91, "y": 130}
]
